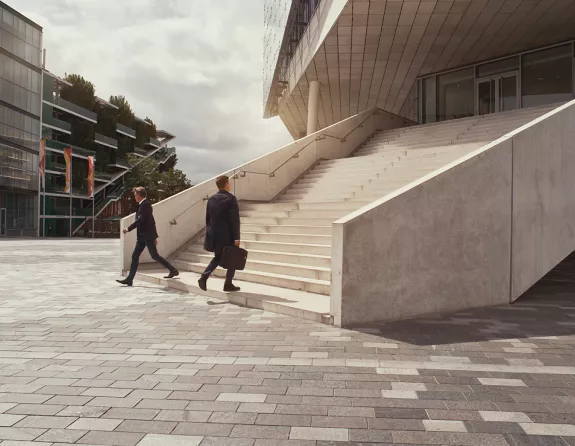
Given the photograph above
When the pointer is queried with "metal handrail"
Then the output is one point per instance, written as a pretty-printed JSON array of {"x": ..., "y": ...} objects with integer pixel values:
[
  {"x": 174, "y": 221},
  {"x": 242, "y": 173}
]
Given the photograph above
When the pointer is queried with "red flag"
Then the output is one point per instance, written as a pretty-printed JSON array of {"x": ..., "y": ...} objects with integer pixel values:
[
  {"x": 68, "y": 158},
  {"x": 42, "y": 162},
  {"x": 90, "y": 176}
]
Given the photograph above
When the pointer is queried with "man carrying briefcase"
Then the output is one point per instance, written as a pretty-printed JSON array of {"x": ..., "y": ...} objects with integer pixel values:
[{"x": 222, "y": 230}]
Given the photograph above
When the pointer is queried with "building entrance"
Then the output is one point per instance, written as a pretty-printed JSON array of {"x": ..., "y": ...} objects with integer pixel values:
[{"x": 497, "y": 93}]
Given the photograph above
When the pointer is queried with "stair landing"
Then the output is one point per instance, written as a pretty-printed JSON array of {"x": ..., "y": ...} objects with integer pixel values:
[{"x": 309, "y": 306}]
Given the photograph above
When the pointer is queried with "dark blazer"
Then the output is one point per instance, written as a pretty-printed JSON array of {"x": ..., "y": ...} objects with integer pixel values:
[
  {"x": 145, "y": 222},
  {"x": 223, "y": 216}
]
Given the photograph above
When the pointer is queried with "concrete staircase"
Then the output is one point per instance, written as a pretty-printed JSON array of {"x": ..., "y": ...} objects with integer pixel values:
[{"x": 289, "y": 239}]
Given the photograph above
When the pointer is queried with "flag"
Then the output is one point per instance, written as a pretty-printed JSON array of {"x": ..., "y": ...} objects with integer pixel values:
[
  {"x": 42, "y": 162},
  {"x": 68, "y": 158},
  {"x": 90, "y": 176}
]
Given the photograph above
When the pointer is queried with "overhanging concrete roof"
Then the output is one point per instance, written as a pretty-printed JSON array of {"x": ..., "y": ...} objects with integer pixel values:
[{"x": 377, "y": 48}]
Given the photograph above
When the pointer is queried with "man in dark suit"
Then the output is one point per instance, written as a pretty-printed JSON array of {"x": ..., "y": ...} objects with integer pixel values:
[
  {"x": 223, "y": 217},
  {"x": 147, "y": 237}
]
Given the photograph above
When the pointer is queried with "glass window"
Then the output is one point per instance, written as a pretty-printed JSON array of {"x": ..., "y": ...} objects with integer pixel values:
[
  {"x": 429, "y": 100},
  {"x": 456, "y": 94},
  {"x": 498, "y": 67},
  {"x": 547, "y": 76}
]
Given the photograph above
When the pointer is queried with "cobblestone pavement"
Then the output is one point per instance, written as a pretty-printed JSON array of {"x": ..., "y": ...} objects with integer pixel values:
[{"x": 85, "y": 361}]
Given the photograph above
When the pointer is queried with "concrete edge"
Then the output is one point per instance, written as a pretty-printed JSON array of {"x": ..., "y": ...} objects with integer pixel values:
[{"x": 240, "y": 299}]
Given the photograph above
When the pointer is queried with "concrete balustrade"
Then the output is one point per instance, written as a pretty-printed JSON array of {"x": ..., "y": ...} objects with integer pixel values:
[{"x": 476, "y": 232}]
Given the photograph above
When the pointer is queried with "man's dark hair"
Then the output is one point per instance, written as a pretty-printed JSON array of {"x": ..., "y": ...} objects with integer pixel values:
[
  {"x": 222, "y": 181},
  {"x": 141, "y": 192}
]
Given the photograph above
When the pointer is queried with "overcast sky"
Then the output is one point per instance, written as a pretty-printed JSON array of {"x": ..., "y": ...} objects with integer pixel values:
[{"x": 193, "y": 66}]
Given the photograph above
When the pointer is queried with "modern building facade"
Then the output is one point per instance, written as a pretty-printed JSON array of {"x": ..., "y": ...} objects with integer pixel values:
[
  {"x": 20, "y": 114},
  {"x": 425, "y": 60},
  {"x": 90, "y": 128}
]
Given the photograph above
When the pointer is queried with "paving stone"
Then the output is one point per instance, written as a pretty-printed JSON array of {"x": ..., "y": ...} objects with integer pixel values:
[
  {"x": 42, "y": 422},
  {"x": 183, "y": 415},
  {"x": 20, "y": 434},
  {"x": 169, "y": 440},
  {"x": 61, "y": 436},
  {"x": 152, "y": 427},
  {"x": 233, "y": 418},
  {"x": 7, "y": 420},
  {"x": 95, "y": 424},
  {"x": 111, "y": 438},
  {"x": 494, "y": 427},
  {"x": 444, "y": 426},
  {"x": 269, "y": 432},
  {"x": 36, "y": 409},
  {"x": 220, "y": 441},
  {"x": 548, "y": 429},
  {"x": 318, "y": 433},
  {"x": 448, "y": 438},
  {"x": 397, "y": 424},
  {"x": 83, "y": 411},
  {"x": 203, "y": 429}
]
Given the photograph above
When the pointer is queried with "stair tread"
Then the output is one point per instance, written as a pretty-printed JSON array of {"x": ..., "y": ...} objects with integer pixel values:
[
  {"x": 260, "y": 251},
  {"x": 266, "y": 262},
  {"x": 273, "y": 275}
]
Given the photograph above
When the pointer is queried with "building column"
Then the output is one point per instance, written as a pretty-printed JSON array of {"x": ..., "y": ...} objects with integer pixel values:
[{"x": 312, "y": 107}]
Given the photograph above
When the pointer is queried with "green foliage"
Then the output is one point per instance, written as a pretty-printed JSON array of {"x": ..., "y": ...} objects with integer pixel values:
[
  {"x": 82, "y": 92},
  {"x": 145, "y": 173},
  {"x": 125, "y": 113}
]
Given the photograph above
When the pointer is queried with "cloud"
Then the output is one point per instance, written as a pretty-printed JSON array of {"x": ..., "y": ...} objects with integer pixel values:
[{"x": 194, "y": 67}]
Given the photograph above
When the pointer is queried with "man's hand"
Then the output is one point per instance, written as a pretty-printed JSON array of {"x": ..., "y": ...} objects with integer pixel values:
[
  {"x": 237, "y": 243},
  {"x": 125, "y": 230}
]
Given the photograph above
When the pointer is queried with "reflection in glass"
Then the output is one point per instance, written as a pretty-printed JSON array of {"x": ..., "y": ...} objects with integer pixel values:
[
  {"x": 486, "y": 97},
  {"x": 456, "y": 95},
  {"x": 507, "y": 93},
  {"x": 547, "y": 76}
]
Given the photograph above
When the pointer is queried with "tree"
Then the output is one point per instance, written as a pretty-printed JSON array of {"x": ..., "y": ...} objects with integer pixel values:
[
  {"x": 125, "y": 113},
  {"x": 82, "y": 92},
  {"x": 145, "y": 173}
]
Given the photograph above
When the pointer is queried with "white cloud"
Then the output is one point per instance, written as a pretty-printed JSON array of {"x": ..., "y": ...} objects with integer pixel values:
[{"x": 194, "y": 67}]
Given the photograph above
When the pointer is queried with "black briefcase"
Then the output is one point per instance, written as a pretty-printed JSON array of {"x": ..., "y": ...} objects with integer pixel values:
[{"x": 233, "y": 258}]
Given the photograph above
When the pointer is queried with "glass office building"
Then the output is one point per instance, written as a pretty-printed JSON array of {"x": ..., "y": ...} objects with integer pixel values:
[{"x": 20, "y": 112}]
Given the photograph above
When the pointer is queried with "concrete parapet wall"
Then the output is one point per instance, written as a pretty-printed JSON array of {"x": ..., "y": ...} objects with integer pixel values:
[
  {"x": 475, "y": 233},
  {"x": 252, "y": 181}
]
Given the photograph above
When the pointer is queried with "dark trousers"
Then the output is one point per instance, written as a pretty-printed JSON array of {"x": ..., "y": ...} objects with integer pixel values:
[
  {"x": 139, "y": 249},
  {"x": 214, "y": 264}
]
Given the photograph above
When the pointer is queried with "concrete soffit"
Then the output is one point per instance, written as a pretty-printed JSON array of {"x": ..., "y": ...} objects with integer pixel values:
[{"x": 322, "y": 23}]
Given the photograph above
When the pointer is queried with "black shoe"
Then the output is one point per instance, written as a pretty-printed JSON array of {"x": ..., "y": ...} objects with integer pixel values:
[
  {"x": 125, "y": 282},
  {"x": 173, "y": 273},
  {"x": 203, "y": 283},
  {"x": 230, "y": 287}
]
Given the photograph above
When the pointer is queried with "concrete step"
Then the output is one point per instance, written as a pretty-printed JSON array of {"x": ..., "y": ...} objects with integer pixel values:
[
  {"x": 304, "y": 239},
  {"x": 294, "y": 270},
  {"x": 288, "y": 221},
  {"x": 195, "y": 252},
  {"x": 295, "y": 248},
  {"x": 292, "y": 303},
  {"x": 275, "y": 229},
  {"x": 279, "y": 280}
]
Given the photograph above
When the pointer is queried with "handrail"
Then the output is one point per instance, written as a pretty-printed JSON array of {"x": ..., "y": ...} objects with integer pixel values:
[
  {"x": 174, "y": 221},
  {"x": 242, "y": 173}
]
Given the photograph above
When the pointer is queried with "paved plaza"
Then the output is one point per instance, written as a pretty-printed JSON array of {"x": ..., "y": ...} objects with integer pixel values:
[{"x": 85, "y": 361}]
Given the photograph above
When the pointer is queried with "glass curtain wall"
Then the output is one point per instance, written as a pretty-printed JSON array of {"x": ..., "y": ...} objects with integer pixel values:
[{"x": 530, "y": 79}]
